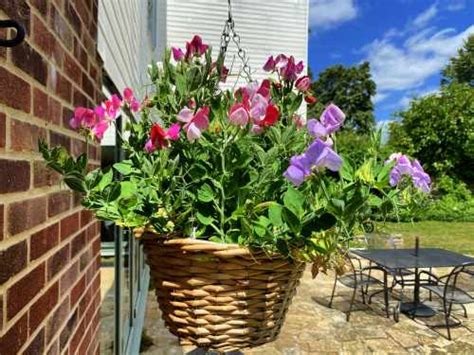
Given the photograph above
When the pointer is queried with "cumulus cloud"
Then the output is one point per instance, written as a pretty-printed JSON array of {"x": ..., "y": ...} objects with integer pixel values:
[
  {"x": 405, "y": 100},
  {"x": 456, "y": 5},
  {"x": 331, "y": 13},
  {"x": 379, "y": 97},
  {"x": 409, "y": 64}
]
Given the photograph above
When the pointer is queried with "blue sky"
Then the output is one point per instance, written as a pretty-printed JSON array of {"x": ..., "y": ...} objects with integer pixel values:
[{"x": 407, "y": 42}]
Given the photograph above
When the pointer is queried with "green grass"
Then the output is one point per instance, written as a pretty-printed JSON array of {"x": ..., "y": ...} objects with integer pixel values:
[{"x": 455, "y": 236}]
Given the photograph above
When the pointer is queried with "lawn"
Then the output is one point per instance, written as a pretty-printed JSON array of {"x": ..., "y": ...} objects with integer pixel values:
[{"x": 455, "y": 236}]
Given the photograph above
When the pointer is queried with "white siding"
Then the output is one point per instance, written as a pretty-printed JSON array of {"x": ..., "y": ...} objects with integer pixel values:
[
  {"x": 124, "y": 45},
  {"x": 265, "y": 27}
]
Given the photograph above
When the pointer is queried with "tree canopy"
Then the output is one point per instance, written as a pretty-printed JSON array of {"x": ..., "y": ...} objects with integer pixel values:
[
  {"x": 350, "y": 88},
  {"x": 461, "y": 68}
]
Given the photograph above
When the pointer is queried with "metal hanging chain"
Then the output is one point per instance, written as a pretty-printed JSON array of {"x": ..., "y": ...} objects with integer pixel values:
[
  {"x": 20, "y": 33},
  {"x": 229, "y": 33}
]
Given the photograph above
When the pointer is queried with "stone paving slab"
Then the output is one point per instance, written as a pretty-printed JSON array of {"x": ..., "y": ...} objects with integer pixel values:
[{"x": 313, "y": 328}]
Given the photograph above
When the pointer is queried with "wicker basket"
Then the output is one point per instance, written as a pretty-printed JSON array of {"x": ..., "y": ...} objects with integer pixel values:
[{"x": 220, "y": 296}]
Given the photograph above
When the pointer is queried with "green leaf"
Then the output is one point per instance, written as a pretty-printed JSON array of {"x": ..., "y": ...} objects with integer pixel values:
[
  {"x": 124, "y": 167},
  {"x": 205, "y": 193},
  {"x": 293, "y": 200},
  {"x": 105, "y": 180},
  {"x": 274, "y": 214},
  {"x": 291, "y": 219},
  {"x": 318, "y": 223},
  {"x": 205, "y": 220},
  {"x": 128, "y": 189},
  {"x": 74, "y": 183}
]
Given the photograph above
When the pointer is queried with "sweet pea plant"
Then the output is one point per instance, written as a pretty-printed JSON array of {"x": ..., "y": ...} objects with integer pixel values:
[{"x": 233, "y": 166}]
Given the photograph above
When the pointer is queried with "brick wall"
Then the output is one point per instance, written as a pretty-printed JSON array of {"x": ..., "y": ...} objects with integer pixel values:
[{"x": 49, "y": 246}]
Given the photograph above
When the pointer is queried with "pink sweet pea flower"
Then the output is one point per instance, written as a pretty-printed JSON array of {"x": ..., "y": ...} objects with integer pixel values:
[
  {"x": 178, "y": 53},
  {"x": 238, "y": 115},
  {"x": 99, "y": 129},
  {"x": 130, "y": 100},
  {"x": 299, "y": 120},
  {"x": 300, "y": 67},
  {"x": 195, "y": 47},
  {"x": 160, "y": 139},
  {"x": 269, "y": 64},
  {"x": 303, "y": 83},
  {"x": 83, "y": 118},
  {"x": 196, "y": 123},
  {"x": 288, "y": 72},
  {"x": 112, "y": 106}
]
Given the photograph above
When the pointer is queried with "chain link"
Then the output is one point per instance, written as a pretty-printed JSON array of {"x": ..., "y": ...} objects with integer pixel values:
[{"x": 229, "y": 33}]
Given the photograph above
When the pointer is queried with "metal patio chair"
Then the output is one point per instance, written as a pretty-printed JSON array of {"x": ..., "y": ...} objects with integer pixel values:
[
  {"x": 446, "y": 288},
  {"x": 359, "y": 278}
]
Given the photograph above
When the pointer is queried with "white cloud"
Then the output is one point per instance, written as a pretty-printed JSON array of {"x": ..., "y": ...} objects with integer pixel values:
[
  {"x": 330, "y": 13},
  {"x": 405, "y": 100},
  {"x": 410, "y": 64},
  {"x": 380, "y": 96},
  {"x": 456, "y": 5},
  {"x": 422, "y": 19}
]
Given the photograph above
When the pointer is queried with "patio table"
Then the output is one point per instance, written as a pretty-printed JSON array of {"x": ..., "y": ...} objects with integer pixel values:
[{"x": 410, "y": 259}]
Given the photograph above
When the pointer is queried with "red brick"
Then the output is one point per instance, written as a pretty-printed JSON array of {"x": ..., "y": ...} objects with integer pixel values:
[
  {"x": 24, "y": 290},
  {"x": 54, "y": 111},
  {"x": 87, "y": 85},
  {"x": 57, "y": 320},
  {"x": 85, "y": 301},
  {"x": 43, "y": 241},
  {"x": 16, "y": 336},
  {"x": 58, "y": 261},
  {"x": 42, "y": 37},
  {"x": 41, "y": 6},
  {"x": 63, "y": 87},
  {"x": 85, "y": 258},
  {"x": 12, "y": 261},
  {"x": 80, "y": 99},
  {"x": 80, "y": 53},
  {"x": 59, "y": 202},
  {"x": 61, "y": 28},
  {"x": 69, "y": 277},
  {"x": 31, "y": 62},
  {"x": 53, "y": 349},
  {"x": 14, "y": 175},
  {"x": 76, "y": 199},
  {"x": 40, "y": 104},
  {"x": 44, "y": 175},
  {"x": 26, "y": 214},
  {"x": 78, "y": 147},
  {"x": 78, "y": 243},
  {"x": 43, "y": 306},
  {"x": 69, "y": 225},
  {"x": 57, "y": 139},
  {"x": 91, "y": 232},
  {"x": 37, "y": 344},
  {"x": 2, "y": 221},
  {"x": 78, "y": 291},
  {"x": 3, "y": 129},
  {"x": 86, "y": 341},
  {"x": 67, "y": 115},
  {"x": 19, "y": 10},
  {"x": 14, "y": 91},
  {"x": 73, "y": 17},
  {"x": 25, "y": 136},
  {"x": 96, "y": 246},
  {"x": 72, "y": 69},
  {"x": 86, "y": 217},
  {"x": 68, "y": 330}
]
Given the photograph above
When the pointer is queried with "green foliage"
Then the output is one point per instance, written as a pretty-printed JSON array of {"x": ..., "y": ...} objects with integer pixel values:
[
  {"x": 461, "y": 68},
  {"x": 351, "y": 88},
  {"x": 439, "y": 130}
]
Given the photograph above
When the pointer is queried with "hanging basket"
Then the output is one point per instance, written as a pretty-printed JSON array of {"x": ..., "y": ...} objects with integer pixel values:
[{"x": 220, "y": 296}]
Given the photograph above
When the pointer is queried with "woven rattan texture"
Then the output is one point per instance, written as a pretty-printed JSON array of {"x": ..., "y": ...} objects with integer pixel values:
[{"x": 220, "y": 296}]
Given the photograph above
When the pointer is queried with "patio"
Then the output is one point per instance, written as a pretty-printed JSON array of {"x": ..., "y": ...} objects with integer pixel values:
[{"x": 313, "y": 328}]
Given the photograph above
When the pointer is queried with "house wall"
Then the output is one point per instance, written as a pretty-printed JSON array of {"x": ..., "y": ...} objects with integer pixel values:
[
  {"x": 49, "y": 245},
  {"x": 265, "y": 27},
  {"x": 125, "y": 44}
]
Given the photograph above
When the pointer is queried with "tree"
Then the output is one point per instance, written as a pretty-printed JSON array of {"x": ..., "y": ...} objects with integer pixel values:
[
  {"x": 439, "y": 130},
  {"x": 461, "y": 68},
  {"x": 351, "y": 88}
]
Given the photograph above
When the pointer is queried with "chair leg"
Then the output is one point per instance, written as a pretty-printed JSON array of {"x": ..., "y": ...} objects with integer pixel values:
[
  {"x": 348, "y": 315},
  {"x": 447, "y": 312},
  {"x": 385, "y": 294},
  {"x": 465, "y": 310},
  {"x": 362, "y": 294},
  {"x": 333, "y": 291}
]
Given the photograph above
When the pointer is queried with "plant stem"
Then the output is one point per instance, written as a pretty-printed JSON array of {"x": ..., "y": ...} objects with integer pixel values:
[{"x": 222, "y": 209}]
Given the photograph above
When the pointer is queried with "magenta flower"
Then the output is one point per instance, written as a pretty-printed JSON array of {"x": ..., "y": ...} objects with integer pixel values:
[
  {"x": 195, "y": 123},
  {"x": 130, "y": 100},
  {"x": 195, "y": 47},
  {"x": 112, "y": 106},
  {"x": 99, "y": 129},
  {"x": 269, "y": 64},
  {"x": 288, "y": 72},
  {"x": 178, "y": 53},
  {"x": 160, "y": 138},
  {"x": 93, "y": 122},
  {"x": 83, "y": 118},
  {"x": 303, "y": 83}
]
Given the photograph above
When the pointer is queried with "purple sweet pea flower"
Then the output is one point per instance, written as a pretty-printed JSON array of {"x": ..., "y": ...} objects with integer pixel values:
[
  {"x": 421, "y": 180},
  {"x": 295, "y": 175},
  {"x": 316, "y": 129},
  {"x": 178, "y": 53},
  {"x": 332, "y": 118},
  {"x": 403, "y": 166},
  {"x": 270, "y": 64}
]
